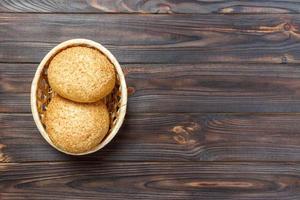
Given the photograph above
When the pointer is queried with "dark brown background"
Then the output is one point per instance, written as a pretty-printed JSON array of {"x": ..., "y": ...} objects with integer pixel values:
[{"x": 213, "y": 108}]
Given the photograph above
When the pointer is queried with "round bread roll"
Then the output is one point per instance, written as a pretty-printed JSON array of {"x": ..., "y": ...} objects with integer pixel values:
[
  {"x": 81, "y": 74},
  {"x": 76, "y": 127}
]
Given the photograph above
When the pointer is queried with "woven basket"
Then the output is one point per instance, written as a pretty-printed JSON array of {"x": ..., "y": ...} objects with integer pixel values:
[{"x": 41, "y": 94}]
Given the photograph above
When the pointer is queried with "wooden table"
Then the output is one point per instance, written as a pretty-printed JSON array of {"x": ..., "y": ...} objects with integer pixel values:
[{"x": 213, "y": 108}]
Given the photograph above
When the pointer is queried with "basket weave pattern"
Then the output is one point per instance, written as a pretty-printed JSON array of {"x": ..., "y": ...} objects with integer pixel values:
[{"x": 42, "y": 93}]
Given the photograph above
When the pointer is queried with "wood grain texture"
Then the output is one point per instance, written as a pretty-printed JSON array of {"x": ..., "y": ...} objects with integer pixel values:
[
  {"x": 213, "y": 108},
  {"x": 184, "y": 88},
  {"x": 169, "y": 137},
  {"x": 151, "y": 6},
  {"x": 152, "y": 39},
  {"x": 100, "y": 180}
]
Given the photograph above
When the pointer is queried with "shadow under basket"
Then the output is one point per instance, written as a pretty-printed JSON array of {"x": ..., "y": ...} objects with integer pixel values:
[{"x": 41, "y": 94}]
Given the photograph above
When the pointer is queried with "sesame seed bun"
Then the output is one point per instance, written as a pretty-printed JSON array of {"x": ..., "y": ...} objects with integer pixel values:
[
  {"x": 76, "y": 127},
  {"x": 81, "y": 74}
]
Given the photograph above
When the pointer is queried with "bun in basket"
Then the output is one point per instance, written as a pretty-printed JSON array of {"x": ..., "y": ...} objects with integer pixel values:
[
  {"x": 81, "y": 74},
  {"x": 76, "y": 127}
]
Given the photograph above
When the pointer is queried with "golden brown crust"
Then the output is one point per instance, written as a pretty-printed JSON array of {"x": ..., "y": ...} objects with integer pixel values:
[
  {"x": 76, "y": 127},
  {"x": 81, "y": 74}
]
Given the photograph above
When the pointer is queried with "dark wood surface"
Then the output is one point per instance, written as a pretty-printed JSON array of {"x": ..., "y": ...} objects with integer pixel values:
[
  {"x": 136, "y": 38},
  {"x": 183, "y": 88},
  {"x": 213, "y": 107},
  {"x": 170, "y": 137},
  {"x": 154, "y": 180},
  {"x": 151, "y": 6}
]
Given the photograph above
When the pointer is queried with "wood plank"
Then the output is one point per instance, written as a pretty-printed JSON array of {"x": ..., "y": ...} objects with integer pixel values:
[
  {"x": 153, "y": 6},
  {"x": 169, "y": 137},
  {"x": 182, "y": 88},
  {"x": 186, "y": 38},
  {"x": 158, "y": 180}
]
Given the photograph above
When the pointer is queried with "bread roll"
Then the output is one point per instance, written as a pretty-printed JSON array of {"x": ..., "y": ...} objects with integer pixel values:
[
  {"x": 76, "y": 127},
  {"x": 81, "y": 74}
]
